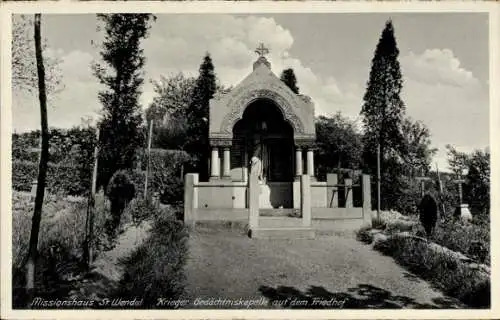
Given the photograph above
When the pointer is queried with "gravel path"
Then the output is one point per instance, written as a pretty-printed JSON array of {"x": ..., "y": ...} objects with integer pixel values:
[{"x": 225, "y": 268}]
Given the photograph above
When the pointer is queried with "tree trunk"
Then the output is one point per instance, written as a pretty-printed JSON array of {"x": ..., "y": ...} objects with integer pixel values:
[{"x": 42, "y": 170}]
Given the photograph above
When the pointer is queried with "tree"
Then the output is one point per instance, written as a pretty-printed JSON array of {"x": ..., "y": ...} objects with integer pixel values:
[
  {"x": 477, "y": 187},
  {"x": 417, "y": 152},
  {"x": 476, "y": 167},
  {"x": 457, "y": 161},
  {"x": 288, "y": 77},
  {"x": 339, "y": 144},
  {"x": 173, "y": 96},
  {"x": 121, "y": 127},
  {"x": 168, "y": 110},
  {"x": 24, "y": 65},
  {"x": 42, "y": 170},
  {"x": 197, "y": 116},
  {"x": 383, "y": 111}
]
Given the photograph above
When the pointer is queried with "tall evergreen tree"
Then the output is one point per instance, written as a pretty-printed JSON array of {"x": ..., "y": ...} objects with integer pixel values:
[
  {"x": 197, "y": 116},
  {"x": 383, "y": 112},
  {"x": 288, "y": 77},
  {"x": 121, "y": 72}
]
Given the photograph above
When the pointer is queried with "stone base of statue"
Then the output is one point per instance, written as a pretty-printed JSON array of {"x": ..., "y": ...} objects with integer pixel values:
[
  {"x": 265, "y": 196},
  {"x": 463, "y": 212}
]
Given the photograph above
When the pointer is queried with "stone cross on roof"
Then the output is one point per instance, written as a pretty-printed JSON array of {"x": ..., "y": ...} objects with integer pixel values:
[{"x": 261, "y": 50}]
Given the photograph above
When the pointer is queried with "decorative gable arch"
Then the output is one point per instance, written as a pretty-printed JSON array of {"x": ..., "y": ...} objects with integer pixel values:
[{"x": 238, "y": 104}]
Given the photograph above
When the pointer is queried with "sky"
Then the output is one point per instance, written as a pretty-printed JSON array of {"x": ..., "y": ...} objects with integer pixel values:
[{"x": 444, "y": 61}]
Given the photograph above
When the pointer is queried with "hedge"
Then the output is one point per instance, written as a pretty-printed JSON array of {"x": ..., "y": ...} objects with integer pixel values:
[
  {"x": 60, "y": 179},
  {"x": 165, "y": 176}
]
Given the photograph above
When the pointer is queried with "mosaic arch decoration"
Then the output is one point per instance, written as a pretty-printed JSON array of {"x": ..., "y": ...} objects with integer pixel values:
[{"x": 239, "y": 104}]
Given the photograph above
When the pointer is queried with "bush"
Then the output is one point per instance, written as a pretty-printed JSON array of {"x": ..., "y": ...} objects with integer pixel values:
[
  {"x": 140, "y": 210},
  {"x": 61, "y": 179},
  {"x": 472, "y": 240},
  {"x": 428, "y": 213},
  {"x": 121, "y": 190},
  {"x": 173, "y": 192},
  {"x": 165, "y": 177},
  {"x": 454, "y": 277},
  {"x": 156, "y": 268}
]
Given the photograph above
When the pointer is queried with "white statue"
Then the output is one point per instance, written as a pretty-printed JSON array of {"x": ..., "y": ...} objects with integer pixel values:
[{"x": 256, "y": 164}]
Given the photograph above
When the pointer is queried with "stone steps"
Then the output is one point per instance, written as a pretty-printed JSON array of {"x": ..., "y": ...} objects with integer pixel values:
[
  {"x": 279, "y": 222},
  {"x": 283, "y": 212},
  {"x": 283, "y": 233}
]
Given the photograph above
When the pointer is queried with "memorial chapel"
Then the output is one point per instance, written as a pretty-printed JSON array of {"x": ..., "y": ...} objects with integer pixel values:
[{"x": 262, "y": 138}]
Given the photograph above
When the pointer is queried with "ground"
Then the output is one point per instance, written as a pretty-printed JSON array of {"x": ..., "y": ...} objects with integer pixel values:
[{"x": 226, "y": 264}]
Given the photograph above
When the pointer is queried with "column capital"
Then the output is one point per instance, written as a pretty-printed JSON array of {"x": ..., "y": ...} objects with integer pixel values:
[
  {"x": 304, "y": 143},
  {"x": 221, "y": 142}
]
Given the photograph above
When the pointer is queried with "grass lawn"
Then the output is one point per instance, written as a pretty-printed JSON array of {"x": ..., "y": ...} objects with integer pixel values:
[{"x": 225, "y": 264}]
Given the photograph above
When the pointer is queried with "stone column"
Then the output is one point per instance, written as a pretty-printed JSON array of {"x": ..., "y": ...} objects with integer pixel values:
[
  {"x": 226, "y": 169},
  {"x": 190, "y": 197},
  {"x": 245, "y": 166},
  {"x": 332, "y": 190},
  {"x": 305, "y": 203},
  {"x": 298, "y": 162},
  {"x": 367, "y": 200},
  {"x": 348, "y": 193},
  {"x": 215, "y": 166},
  {"x": 310, "y": 162},
  {"x": 253, "y": 205}
]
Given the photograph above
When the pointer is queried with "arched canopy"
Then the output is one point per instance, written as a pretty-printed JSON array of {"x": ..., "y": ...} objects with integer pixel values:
[
  {"x": 261, "y": 85},
  {"x": 263, "y": 115}
]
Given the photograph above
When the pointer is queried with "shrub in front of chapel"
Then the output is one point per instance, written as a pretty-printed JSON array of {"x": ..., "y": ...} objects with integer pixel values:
[{"x": 121, "y": 190}]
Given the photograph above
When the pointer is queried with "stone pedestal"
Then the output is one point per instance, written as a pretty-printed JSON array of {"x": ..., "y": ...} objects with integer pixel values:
[
  {"x": 265, "y": 196},
  {"x": 190, "y": 197},
  {"x": 253, "y": 201},
  {"x": 348, "y": 193},
  {"x": 332, "y": 190},
  {"x": 463, "y": 212},
  {"x": 305, "y": 203}
]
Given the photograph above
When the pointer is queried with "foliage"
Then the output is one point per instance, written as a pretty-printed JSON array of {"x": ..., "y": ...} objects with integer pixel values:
[
  {"x": 168, "y": 110},
  {"x": 65, "y": 145},
  {"x": 24, "y": 72},
  {"x": 197, "y": 116},
  {"x": 454, "y": 277},
  {"x": 70, "y": 160},
  {"x": 61, "y": 179},
  {"x": 156, "y": 268},
  {"x": 121, "y": 190},
  {"x": 417, "y": 152},
  {"x": 477, "y": 187},
  {"x": 457, "y": 161},
  {"x": 121, "y": 73},
  {"x": 473, "y": 240},
  {"x": 173, "y": 96},
  {"x": 339, "y": 144},
  {"x": 428, "y": 213},
  {"x": 62, "y": 232},
  {"x": 166, "y": 174},
  {"x": 288, "y": 77},
  {"x": 383, "y": 112},
  {"x": 476, "y": 190}
]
